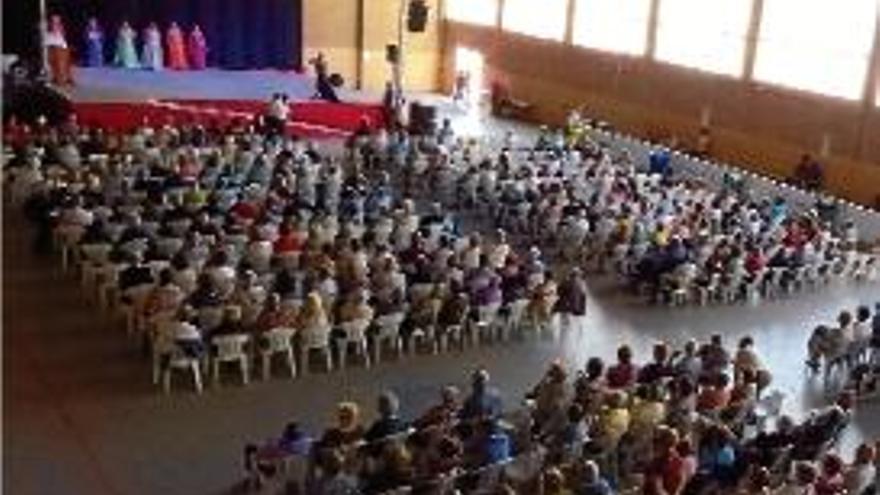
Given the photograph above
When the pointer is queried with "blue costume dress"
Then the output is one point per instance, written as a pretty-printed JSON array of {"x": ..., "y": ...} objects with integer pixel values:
[
  {"x": 94, "y": 47},
  {"x": 152, "y": 56}
]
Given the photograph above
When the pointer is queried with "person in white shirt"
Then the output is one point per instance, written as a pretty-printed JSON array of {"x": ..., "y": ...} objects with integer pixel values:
[
  {"x": 860, "y": 475},
  {"x": 278, "y": 113},
  {"x": 58, "y": 52}
]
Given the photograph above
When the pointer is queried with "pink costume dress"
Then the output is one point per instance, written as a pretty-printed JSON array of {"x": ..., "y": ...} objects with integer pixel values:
[
  {"x": 176, "y": 49},
  {"x": 198, "y": 49}
]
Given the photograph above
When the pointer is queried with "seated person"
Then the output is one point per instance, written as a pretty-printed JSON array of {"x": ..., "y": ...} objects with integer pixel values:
[
  {"x": 623, "y": 374},
  {"x": 134, "y": 275},
  {"x": 483, "y": 402},
  {"x": 442, "y": 414},
  {"x": 389, "y": 422}
]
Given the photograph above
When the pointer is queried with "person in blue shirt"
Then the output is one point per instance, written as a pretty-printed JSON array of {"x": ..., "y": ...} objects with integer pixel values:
[
  {"x": 779, "y": 211},
  {"x": 659, "y": 162},
  {"x": 483, "y": 402},
  {"x": 389, "y": 422},
  {"x": 717, "y": 455},
  {"x": 496, "y": 443},
  {"x": 591, "y": 481}
]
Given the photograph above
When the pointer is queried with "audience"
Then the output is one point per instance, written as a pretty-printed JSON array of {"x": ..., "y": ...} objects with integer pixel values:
[
  {"x": 240, "y": 231},
  {"x": 629, "y": 443}
]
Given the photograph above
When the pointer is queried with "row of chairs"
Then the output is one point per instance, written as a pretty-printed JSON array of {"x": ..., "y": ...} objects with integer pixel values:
[
  {"x": 99, "y": 279},
  {"x": 351, "y": 339}
]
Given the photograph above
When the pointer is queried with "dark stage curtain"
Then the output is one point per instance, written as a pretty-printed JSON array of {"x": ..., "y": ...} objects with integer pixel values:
[{"x": 241, "y": 34}]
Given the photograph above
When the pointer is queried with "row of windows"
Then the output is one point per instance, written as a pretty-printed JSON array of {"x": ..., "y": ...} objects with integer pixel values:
[{"x": 821, "y": 46}]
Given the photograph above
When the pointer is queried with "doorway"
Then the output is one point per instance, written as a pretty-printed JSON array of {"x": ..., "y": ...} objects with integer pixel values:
[{"x": 468, "y": 86}]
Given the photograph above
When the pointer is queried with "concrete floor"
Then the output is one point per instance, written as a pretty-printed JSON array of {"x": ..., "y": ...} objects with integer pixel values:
[{"x": 80, "y": 415}]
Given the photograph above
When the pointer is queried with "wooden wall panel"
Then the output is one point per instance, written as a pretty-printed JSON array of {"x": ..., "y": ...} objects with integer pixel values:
[{"x": 753, "y": 124}]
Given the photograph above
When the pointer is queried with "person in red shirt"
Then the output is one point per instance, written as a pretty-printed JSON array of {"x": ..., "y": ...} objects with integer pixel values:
[
  {"x": 794, "y": 235},
  {"x": 714, "y": 393},
  {"x": 665, "y": 474},
  {"x": 831, "y": 481},
  {"x": 246, "y": 210},
  {"x": 288, "y": 241},
  {"x": 755, "y": 260},
  {"x": 624, "y": 373}
]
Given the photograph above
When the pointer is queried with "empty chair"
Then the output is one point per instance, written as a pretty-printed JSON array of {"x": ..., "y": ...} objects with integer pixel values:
[
  {"x": 133, "y": 307},
  {"x": 387, "y": 330},
  {"x": 486, "y": 322},
  {"x": 315, "y": 338},
  {"x": 180, "y": 360},
  {"x": 278, "y": 341},
  {"x": 354, "y": 336},
  {"x": 67, "y": 237},
  {"x": 93, "y": 257},
  {"x": 230, "y": 349},
  {"x": 515, "y": 313}
]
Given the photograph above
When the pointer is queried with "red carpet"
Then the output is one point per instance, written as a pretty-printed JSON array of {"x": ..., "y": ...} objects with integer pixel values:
[{"x": 313, "y": 119}]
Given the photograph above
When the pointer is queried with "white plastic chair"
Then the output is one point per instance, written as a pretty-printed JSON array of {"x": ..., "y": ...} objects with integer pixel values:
[
  {"x": 484, "y": 326},
  {"x": 93, "y": 256},
  {"x": 181, "y": 361},
  {"x": 513, "y": 325},
  {"x": 426, "y": 332},
  {"x": 388, "y": 331},
  {"x": 315, "y": 339},
  {"x": 230, "y": 349},
  {"x": 355, "y": 336},
  {"x": 67, "y": 237},
  {"x": 133, "y": 310},
  {"x": 278, "y": 341}
]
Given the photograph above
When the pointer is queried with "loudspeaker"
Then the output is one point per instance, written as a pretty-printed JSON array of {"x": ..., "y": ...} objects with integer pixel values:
[
  {"x": 392, "y": 54},
  {"x": 422, "y": 118},
  {"x": 417, "y": 18}
]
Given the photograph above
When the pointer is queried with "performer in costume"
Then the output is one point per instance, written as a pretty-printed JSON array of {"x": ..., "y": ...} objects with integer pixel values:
[
  {"x": 58, "y": 52},
  {"x": 198, "y": 49},
  {"x": 126, "y": 55},
  {"x": 151, "y": 55},
  {"x": 176, "y": 48},
  {"x": 94, "y": 44}
]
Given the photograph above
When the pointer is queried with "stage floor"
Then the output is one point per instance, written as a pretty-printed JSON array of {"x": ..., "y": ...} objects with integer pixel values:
[{"x": 101, "y": 85}]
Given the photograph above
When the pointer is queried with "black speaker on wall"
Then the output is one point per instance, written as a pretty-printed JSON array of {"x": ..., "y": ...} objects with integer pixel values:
[
  {"x": 392, "y": 54},
  {"x": 417, "y": 18}
]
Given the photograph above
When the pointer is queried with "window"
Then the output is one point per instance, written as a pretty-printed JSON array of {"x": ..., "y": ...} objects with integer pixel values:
[
  {"x": 705, "y": 35},
  {"x": 544, "y": 19},
  {"x": 619, "y": 26},
  {"x": 821, "y": 46},
  {"x": 481, "y": 12}
]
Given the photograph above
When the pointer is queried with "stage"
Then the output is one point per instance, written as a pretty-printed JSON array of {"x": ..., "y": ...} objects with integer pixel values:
[
  {"x": 123, "y": 98},
  {"x": 103, "y": 85}
]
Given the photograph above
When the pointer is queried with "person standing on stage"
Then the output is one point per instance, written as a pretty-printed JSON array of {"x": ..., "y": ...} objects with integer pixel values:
[
  {"x": 323, "y": 87},
  {"x": 176, "y": 48},
  {"x": 126, "y": 55},
  {"x": 152, "y": 56},
  {"x": 198, "y": 49},
  {"x": 94, "y": 44},
  {"x": 58, "y": 52}
]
